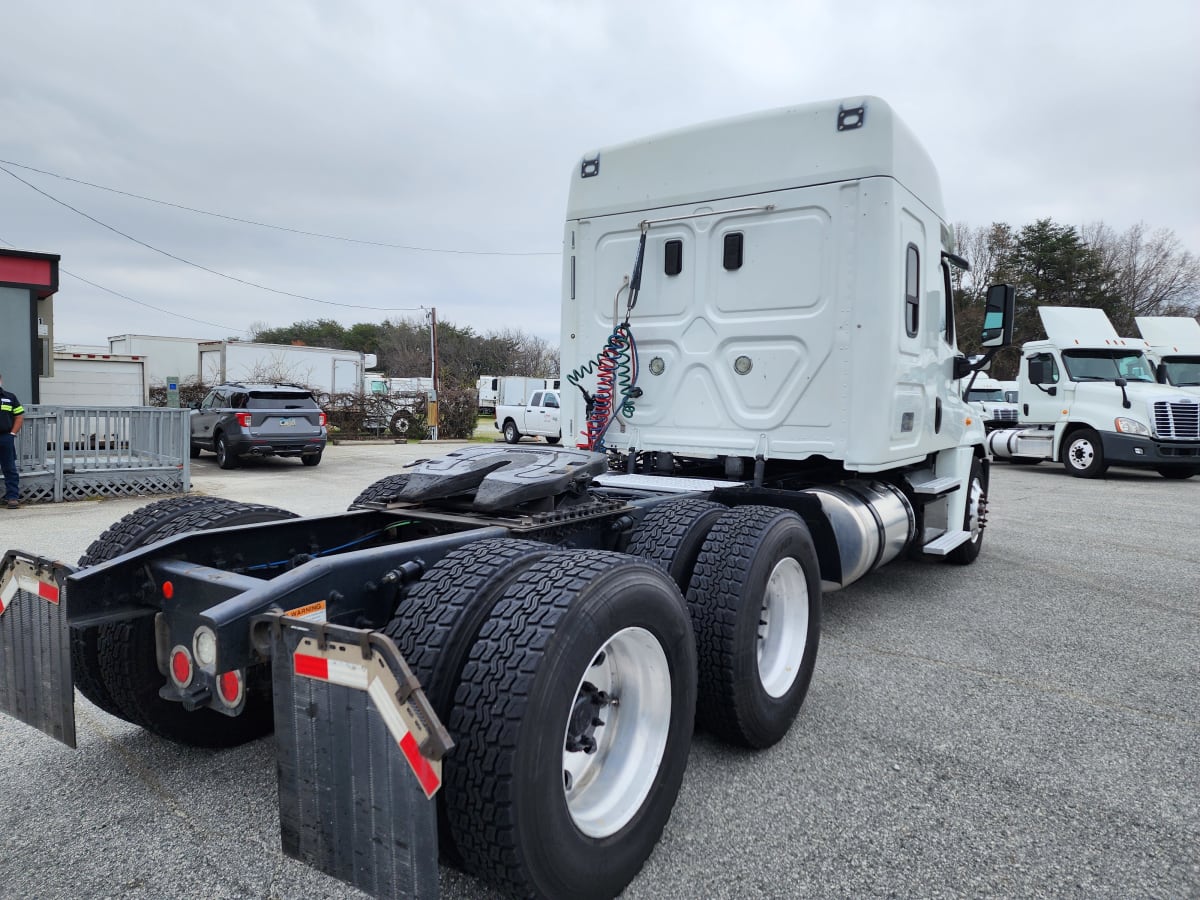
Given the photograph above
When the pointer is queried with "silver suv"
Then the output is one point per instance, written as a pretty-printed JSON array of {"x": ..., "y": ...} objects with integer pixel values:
[{"x": 237, "y": 420}]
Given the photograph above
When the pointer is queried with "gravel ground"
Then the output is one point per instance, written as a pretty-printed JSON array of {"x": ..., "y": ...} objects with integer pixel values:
[{"x": 1023, "y": 727}]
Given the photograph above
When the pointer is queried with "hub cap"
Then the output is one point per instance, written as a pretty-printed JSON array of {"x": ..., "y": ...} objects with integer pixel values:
[
  {"x": 782, "y": 627},
  {"x": 616, "y": 732}
]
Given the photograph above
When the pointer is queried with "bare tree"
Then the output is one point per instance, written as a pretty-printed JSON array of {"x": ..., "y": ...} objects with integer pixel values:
[
  {"x": 988, "y": 250},
  {"x": 1153, "y": 274}
]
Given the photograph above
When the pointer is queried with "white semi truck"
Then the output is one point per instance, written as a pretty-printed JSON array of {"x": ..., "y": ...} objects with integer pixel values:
[
  {"x": 988, "y": 396},
  {"x": 1174, "y": 348},
  {"x": 1089, "y": 399},
  {"x": 762, "y": 381}
]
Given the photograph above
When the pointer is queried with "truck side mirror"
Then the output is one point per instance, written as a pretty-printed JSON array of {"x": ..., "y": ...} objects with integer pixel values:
[{"x": 998, "y": 316}]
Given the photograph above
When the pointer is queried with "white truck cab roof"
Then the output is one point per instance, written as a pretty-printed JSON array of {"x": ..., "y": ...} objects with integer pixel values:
[{"x": 1171, "y": 334}]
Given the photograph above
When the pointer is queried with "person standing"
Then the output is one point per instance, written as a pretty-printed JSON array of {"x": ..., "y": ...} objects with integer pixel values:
[{"x": 12, "y": 417}]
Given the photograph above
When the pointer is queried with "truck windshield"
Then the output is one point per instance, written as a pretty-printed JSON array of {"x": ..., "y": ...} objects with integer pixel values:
[
  {"x": 1107, "y": 365},
  {"x": 993, "y": 395},
  {"x": 1181, "y": 371}
]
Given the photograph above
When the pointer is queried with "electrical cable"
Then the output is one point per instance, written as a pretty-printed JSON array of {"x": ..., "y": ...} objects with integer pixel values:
[
  {"x": 203, "y": 268},
  {"x": 139, "y": 302},
  {"x": 318, "y": 234},
  {"x": 615, "y": 367}
]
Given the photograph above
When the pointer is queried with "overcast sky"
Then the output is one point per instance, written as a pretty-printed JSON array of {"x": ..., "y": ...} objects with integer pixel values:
[{"x": 455, "y": 126}]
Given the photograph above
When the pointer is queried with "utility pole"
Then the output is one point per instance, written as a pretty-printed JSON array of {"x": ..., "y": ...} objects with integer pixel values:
[{"x": 433, "y": 364}]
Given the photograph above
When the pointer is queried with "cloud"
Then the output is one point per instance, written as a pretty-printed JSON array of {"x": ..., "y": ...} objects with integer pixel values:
[{"x": 455, "y": 125}]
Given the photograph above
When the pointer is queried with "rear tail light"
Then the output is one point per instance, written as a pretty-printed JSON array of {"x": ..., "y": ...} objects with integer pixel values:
[
  {"x": 243, "y": 419},
  {"x": 322, "y": 419},
  {"x": 181, "y": 666},
  {"x": 231, "y": 688},
  {"x": 204, "y": 643}
]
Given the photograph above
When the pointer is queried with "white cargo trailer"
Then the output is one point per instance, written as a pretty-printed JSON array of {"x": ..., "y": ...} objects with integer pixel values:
[
  {"x": 324, "y": 370},
  {"x": 165, "y": 357},
  {"x": 95, "y": 379}
]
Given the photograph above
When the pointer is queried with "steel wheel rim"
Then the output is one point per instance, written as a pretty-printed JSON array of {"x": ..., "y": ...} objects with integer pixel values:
[
  {"x": 782, "y": 627},
  {"x": 973, "y": 507},
  {"x": 605, "y": 788},
  {"x": 1081, "y": 453}
]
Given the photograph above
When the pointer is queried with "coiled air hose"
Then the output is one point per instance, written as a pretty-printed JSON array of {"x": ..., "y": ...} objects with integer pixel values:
[{"x": 615, "y": 367}]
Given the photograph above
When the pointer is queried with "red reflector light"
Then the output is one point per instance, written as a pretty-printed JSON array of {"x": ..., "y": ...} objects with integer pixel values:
[
  {"x": 168, "y": 589},
  {"x": 229, "y": 686},
  {"x": 322, "y": 419},
  {"x": 243, "y": 419},
  {"x": 181, "y": 667}
]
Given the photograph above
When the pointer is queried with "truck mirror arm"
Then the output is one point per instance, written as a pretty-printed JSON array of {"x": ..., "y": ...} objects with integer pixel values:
[
  {"x": 964, "y": 367},
  {"x": 1121, "y": 382}
]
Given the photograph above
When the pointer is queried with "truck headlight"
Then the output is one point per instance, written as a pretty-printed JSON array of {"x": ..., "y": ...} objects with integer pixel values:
[{"x": 1131, "y": 426}]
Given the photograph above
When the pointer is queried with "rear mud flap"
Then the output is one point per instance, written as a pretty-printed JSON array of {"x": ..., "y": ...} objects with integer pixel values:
[
  {"x": 359, "y": 753},
  {"x": 36, "y": 685}
]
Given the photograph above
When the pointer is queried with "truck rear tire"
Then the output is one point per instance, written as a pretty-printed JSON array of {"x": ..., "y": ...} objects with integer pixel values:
[
  {"x": 1084, "y": 454},
  {"x": 128, "y": 661},
  {"x": 511, "y": 434},
  {"x": 139, "y": 528},
  {"x": 437, "y": 622},
  {"x": 383, "y": 491},
  {"x": 755, "y": 599},
  {"x": 554, "y": 790},
  {"x": 974, "y": 519},
  {"x": 672, "y": 534}
]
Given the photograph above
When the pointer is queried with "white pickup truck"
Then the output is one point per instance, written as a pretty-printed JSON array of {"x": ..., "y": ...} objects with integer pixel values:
[{"x": 537, "y": 417}]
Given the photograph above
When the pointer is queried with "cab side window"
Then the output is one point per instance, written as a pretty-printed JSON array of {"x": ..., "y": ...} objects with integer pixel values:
[
  {"x": 536, "y": 399},
  {"x": 948, "y": 287},
  {"x": 912, "y": 287},
  {"x": 551, "y": 401},
  {"x": 1043, "y": 369}
]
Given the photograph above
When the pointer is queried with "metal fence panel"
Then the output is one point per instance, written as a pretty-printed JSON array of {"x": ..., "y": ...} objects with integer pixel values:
[{"x": 81, "y": 452}]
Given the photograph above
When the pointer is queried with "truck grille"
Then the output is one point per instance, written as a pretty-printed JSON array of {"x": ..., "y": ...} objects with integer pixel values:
[
  {"x": 1177, "y": 420},
  {"x": 1004, "y": 415}
]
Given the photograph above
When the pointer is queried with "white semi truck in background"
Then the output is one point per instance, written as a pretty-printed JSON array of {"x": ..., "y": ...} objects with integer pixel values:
[
  {"x": 763, "y": 385},
  {"x": 988, "y": 396},
  {"x": 1173, "y": 344},
  {"x": 1089, "y": 399}
]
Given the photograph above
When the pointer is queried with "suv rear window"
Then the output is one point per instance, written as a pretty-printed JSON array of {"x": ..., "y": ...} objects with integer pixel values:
[{"x": 281, "y": 400}]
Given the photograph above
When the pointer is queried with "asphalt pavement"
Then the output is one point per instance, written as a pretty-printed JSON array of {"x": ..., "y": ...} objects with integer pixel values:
[{"x": 1026, "y": 726}]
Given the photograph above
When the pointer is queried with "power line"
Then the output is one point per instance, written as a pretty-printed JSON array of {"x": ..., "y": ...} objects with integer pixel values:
[
  {"x": 138, "y": 302},
  {"x": 203, "y": 268},
  {"x": 318, "y": 234}
]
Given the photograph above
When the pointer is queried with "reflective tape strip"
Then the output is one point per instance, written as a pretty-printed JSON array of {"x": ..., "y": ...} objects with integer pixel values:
[
  {"x": 8, "y": 592},
  {"x": 43, "y": 589},
  {"x": 428, "y": 777},
  {"x": 337, "y": 671},
  {"x": 332, "y": 670},
  {"x": 46, "y": 590}
]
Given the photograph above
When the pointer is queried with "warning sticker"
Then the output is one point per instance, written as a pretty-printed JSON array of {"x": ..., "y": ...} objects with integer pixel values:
[{"x": 312, "y": 612}]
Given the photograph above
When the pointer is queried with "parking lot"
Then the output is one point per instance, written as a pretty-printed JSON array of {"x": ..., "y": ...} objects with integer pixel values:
[{"x": 1025, "y": 726}]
